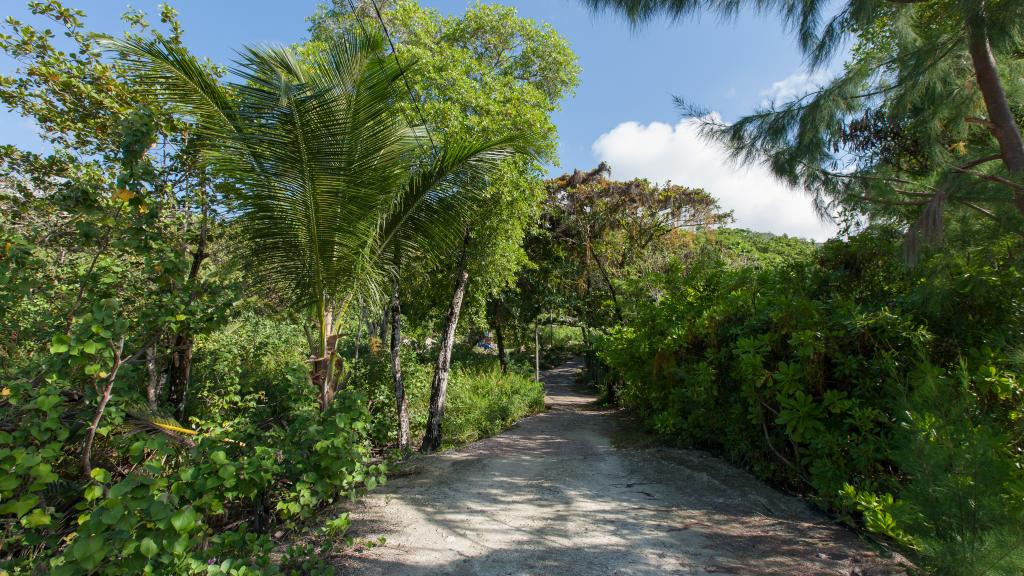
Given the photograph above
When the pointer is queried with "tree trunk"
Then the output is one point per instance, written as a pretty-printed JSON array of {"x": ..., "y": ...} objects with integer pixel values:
[
  {"x": 536, "y": 351},
  {"x": 611, "y": 289},
  {"x": 359, "y": 330},
  {"x": 401, "y": 406},
  {"x": 382, "y": 328},
  {"x": 104, "y": 398},
  {"x": 154, "y": 384},
  {"x": 610, "y": 391},
  {"x": 178, "y": 371},
  {"x": 1004, "y": 125},
  {"x": 180, "y": 366},
  {"x": 322, "y": 371},
  {"x": 439, "y": 386},
  {"x": 499, "y": 335}
]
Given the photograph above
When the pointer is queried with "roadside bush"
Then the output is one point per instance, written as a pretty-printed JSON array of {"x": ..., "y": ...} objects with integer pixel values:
[
  {"x": 252, "y": 370},
  {"x": 158, "y": 497},
  {"x": 483, "y": 402},
  {"x": 887, "y": 394}
]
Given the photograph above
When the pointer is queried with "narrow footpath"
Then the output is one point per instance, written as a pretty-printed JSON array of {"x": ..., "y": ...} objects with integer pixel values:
[{"x": 553, "y": 496}]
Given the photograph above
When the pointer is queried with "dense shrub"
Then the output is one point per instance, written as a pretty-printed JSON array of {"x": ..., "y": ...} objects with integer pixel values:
[
  {"x": 252, "y": 370},
  {"x": 885, "y": 393},
  {"x": 484, "y": 402},
  {"x": 159, "y": 497}
]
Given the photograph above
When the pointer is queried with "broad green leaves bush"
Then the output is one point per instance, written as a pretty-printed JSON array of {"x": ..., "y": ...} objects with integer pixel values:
[
  {"x": 171, "y": 504},
  {"x": 887, "y": 394}
]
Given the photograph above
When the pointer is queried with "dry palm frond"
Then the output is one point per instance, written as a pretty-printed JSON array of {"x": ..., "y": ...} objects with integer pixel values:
[{"x": 147, "y": 421}]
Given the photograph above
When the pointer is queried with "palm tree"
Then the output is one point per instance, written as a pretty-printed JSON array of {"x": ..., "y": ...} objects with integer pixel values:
[{"x": 331, "y": 181}]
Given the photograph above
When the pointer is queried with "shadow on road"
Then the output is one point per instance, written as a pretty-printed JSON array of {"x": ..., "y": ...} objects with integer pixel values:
[{"x": 553, "y": 496}]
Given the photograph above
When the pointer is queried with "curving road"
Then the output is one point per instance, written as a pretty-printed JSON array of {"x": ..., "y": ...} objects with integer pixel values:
[{"x": 553, "y": 496}]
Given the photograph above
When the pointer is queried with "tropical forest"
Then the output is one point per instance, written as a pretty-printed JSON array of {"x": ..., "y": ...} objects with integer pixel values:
[{"x": 512, "y": 287}]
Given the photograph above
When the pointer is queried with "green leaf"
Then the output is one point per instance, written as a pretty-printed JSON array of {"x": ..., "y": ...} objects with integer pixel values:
[
  {"x": 46, "y": 403},
  {"x": 184, "y": 520},
  {"x": 9, "y": 482},
  {"x": 36, "y": 518},
  {"x": 148, "y": 547},
  {"x": 43, "y": 473},
  {"x": 88, "y": 550},
  {"x": 21, "y": 506},
  {"x": 100, "y": 475},
  {"x": 112, "y": 514},
  {"x": 227, "y": 471},
  {"x": 93, "y": 491},
  {"x": 219, "y": 457},
  {"x": 180, "y": 545},
  {"x": 60, "y": 344}
]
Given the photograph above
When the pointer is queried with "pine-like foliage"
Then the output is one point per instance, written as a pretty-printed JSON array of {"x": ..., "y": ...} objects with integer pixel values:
[{"x": 912, "y": 90}]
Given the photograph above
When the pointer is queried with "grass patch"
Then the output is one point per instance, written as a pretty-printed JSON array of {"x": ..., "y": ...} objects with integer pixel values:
[{"x": 483, "y": 402}]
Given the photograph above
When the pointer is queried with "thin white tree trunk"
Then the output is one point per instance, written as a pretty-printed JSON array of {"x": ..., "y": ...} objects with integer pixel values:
[
  {"x": 439, "y": 386},
  {"x": 401, "y": 406}
]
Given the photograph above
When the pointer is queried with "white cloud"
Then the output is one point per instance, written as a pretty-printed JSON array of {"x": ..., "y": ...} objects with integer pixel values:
[
  {"x": 794, "y": 86},
  {"x": 661, "y": 152}
]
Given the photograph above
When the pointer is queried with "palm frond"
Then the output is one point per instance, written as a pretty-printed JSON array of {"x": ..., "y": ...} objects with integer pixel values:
[{"x": 330, "y": 178}]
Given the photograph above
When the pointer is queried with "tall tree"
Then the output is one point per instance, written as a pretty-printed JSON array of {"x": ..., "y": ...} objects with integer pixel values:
[
  {"x": 487, "y": 73},
  {"x": 439, "y": 384},
  {"x": 401, "y": 404},
  {"x": 496, "y": 308},
  {"x": 327, "y": 170},
  {"x": 599, "y": 237},
  {"x": 107, "y": 133}
]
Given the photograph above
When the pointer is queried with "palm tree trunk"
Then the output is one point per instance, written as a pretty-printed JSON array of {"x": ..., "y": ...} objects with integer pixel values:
[
  {"x": 439, "y": 386},
  {"x": 1003, "y": 124},
  {"x": 382, "y": 328},
  {"x": 322, "y": 370},
  {"x": 401, "y": 405},
  {"x": 359, "y": 330}
]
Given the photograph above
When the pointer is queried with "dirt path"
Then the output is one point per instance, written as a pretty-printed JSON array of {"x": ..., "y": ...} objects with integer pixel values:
[{"x": 553, "y": 496}]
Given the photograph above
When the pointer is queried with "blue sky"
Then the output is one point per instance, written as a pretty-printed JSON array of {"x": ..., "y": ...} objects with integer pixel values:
[{"x": 622, "y": 111}]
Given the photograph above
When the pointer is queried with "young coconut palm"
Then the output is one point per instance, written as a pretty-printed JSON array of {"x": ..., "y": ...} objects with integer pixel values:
[{"x": 330, "y": 178}]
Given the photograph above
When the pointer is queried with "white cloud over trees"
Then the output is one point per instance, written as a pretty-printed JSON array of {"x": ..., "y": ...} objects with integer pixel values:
[{"x": 661, "y": 152}]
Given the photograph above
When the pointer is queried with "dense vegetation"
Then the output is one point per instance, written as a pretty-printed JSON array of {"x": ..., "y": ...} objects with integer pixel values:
[
  {"x": 879, "y": 374},
  {"x": 232, "y": 296},
  {"x": 888, "y": 395},
  {"x": 199, "y": 285}
]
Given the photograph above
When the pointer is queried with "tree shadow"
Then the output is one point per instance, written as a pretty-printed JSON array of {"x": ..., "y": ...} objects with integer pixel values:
[{"x": 553, "y": 496}]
